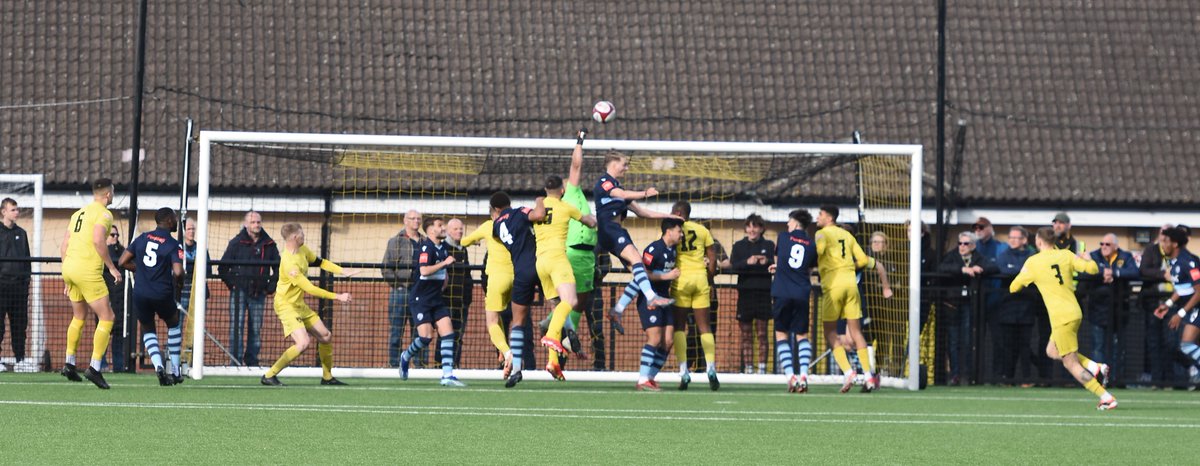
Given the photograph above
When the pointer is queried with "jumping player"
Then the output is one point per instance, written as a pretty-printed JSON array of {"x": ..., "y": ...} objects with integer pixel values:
[
  {"x": 658, "y": 323},
  {"x": 612, "y": 203},
  {"x": 553, "y": 268},
  {"x": 1051, "y": 270},
  {"x": 84, "y": 257},
  {"x": 299, "y": 321},
  {"x": 426, "y": 303},
  {"x": 157, "y": 275},
  {"x": 794, "y": 258},
  {"x": 514, "y": 228}
]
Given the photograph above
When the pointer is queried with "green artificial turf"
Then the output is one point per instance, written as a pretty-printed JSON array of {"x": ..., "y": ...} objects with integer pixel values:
[{"x": 47, "y": 419}]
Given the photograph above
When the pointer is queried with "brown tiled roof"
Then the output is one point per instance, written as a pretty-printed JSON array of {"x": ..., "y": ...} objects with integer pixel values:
[{"x": 1065, "y": 104}]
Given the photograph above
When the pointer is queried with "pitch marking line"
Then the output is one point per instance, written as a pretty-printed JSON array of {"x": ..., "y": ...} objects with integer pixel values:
[{"x": 615, "y": 414}]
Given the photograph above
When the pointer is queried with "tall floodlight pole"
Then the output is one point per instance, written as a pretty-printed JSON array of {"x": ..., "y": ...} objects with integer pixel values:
[
  {"x": 940, "y": 187},
  {"x": 138, "y": 83}
]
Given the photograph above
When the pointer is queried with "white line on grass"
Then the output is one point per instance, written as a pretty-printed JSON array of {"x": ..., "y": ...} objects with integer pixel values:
[{"x": 612, "y": 414}]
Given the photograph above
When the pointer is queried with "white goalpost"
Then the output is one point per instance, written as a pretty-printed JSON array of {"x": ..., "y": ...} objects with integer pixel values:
[
  {"x": 27, "y": 191},
  {"x": 432, "y": 152}
]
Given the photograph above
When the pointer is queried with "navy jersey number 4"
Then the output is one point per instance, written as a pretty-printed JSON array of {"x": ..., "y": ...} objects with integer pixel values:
[
  {"x": 513, "y": 228},
  {"x": 795, "y": 255}
]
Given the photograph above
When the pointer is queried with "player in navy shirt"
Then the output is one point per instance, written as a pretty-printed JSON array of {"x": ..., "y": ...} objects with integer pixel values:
[
  {"x": 514, "y": 228},
  {"x": 658, "y": 322},
  {"x": 426, "y": 303},
  {"x": 156, "y": 275},
  {"x": 612, "y": 202},
  {"x": 1185, "y": 273},
  {"x": 795, "y": 255}
]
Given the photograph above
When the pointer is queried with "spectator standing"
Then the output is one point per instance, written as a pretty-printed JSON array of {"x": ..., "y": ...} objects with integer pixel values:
[
  {"x": 397, "y": 272},
  {"x": 751, "y": 258},
  {"x": 14, "y": 284},
  {"x": 1062, "y": 234},
  {"x": 991, "y": 248},
  {"x": 248, "y": 286},
  {"x": 189, "y": 253},
  {"x": 459, "y": 284},
  {"x": 1116, "y": 268},
  {"x": 1013, "y": 318},
  {"x": 116, "y": 299},
  {"x": 965, "y": 264}
]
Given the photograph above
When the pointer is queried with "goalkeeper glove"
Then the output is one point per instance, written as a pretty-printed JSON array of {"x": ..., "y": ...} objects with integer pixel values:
[{"x": 581, "y": 136}]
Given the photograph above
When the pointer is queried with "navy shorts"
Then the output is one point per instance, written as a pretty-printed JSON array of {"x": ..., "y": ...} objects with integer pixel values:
[
  {"x": 791, "y": 315},
  {"x": 524, "y": 282},
  {"x": 658, "y": 317},
  {"x": 165, "y": 308},
  {"x": 429, "y": 313},
  {"x": 1192, "y": 318},
  {"x": 612, "y": 237}
]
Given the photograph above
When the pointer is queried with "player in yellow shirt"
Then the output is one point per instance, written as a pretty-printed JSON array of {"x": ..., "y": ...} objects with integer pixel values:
[
  {"x": 499, "y": 271},
  {"x": 299, "y": 321},
  {"x": 838, "y": 256},
  {"x": 84, "y": 258},
  {"x": 697, "y": 258},
  {"x": 553, "y": 268},
  {"x": 1051, "y": 270}
]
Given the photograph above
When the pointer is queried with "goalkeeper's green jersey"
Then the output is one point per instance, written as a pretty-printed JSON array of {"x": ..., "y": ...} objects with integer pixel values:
[{"x": 578, "y": 233}]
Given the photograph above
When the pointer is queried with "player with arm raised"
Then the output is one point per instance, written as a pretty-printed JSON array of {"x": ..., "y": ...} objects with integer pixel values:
[
  {"x": 427, "y": 304},
  {"x": 499, "y": 271},
  {"x": 299, "y": 321},
  {"x": 1051, "y": 270},
  {"x": 553, "y": 268},
  {"x": 658, "y": 323},
  {"x": 157, "y": 274},
  {"x": 514, "y": 228},
  {"x": 84, "y": 258},
  {"x": 581, "y": 244},
  {"x": 791, "y": 287},
  {"x": 612, "y": 203},
  {"x": 1185, "y": 274},
  {"x": 838, "y": 255}
]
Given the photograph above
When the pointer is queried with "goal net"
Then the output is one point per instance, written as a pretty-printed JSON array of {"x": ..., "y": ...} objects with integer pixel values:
[
  {"x": 27, "y": 191},
  {"x": 352, "y": 193}
]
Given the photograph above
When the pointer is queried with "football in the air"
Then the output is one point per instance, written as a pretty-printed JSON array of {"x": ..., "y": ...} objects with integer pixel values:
[{"x": 604, "y": 111}]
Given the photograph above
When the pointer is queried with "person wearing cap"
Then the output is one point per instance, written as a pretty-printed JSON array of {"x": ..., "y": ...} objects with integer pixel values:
[
  {"x": 1117, "y": 267},
  {"x": 1062, "y": 234},
  {"x": 991, "y": 249}
]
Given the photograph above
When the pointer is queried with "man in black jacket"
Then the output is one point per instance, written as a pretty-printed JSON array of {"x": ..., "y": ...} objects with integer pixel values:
[
  {"x": 248, "y": 286},
  {"x": 1012, "y": 319},
  {"x": 14, "y": 284},
  {"x": 751, "y": 257},
  {"x": 966, "y": 265}
]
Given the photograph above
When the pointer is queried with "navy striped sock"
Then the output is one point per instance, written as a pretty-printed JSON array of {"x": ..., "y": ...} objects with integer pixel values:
[
  {"x": 417, "y": 345},
  {"x": 516, "y": 343},
  {"x": 783, "y": 354},
  {"x": 175, "y": 346},
  {"x": 630, "y": 294},
  {"x": 647, "y": 362},
  {"x": 1192, "y": 351},
  {"x": 642, "y": 281},
  {"x": 803, "y": 355},
  {"x": 446, "y": 345},
  {"x": 150, "y": 340},
  {"x": 660, "y": 360}
]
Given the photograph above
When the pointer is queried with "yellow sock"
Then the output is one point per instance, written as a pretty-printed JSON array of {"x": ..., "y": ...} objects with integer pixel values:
[
  {"x": 325, "y": 352},
  {"x": 843, "y": 361},
  {"x": 100, "y": 340},
  {"x": 709, "y": 344},
  {"x": 1088, "y": 364},
  {"x": 1094, "y": 387},
  {"x": 499, "y": 340},
  {"x": 864, "y": 358},
  {"x": 557, "y": 318},
  {"x": 285, "y": 359},
  {"x": 74, "y": 334},
  {"x": 680, "y": 345}
]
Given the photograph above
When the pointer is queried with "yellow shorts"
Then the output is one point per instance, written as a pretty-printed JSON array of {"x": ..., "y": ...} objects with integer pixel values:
[
  {"x": 840, "y": 302},
  {"x": 296, "y": 318},
  {"x": 1066, "y": 337},
  {"x": 691, "y": 291},
  {"x": 554, "y": 271},
  {"x": 499, "y": 292},
  {"x": 85, "y": 286}
]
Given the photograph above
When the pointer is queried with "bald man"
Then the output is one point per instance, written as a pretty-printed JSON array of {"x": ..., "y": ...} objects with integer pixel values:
[
  {"x": 1117, "y": 266},
  {"x": 397, "y": 272},
  {"x": 248, "y": 286},
  {"x": 459, "y": 284}
]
